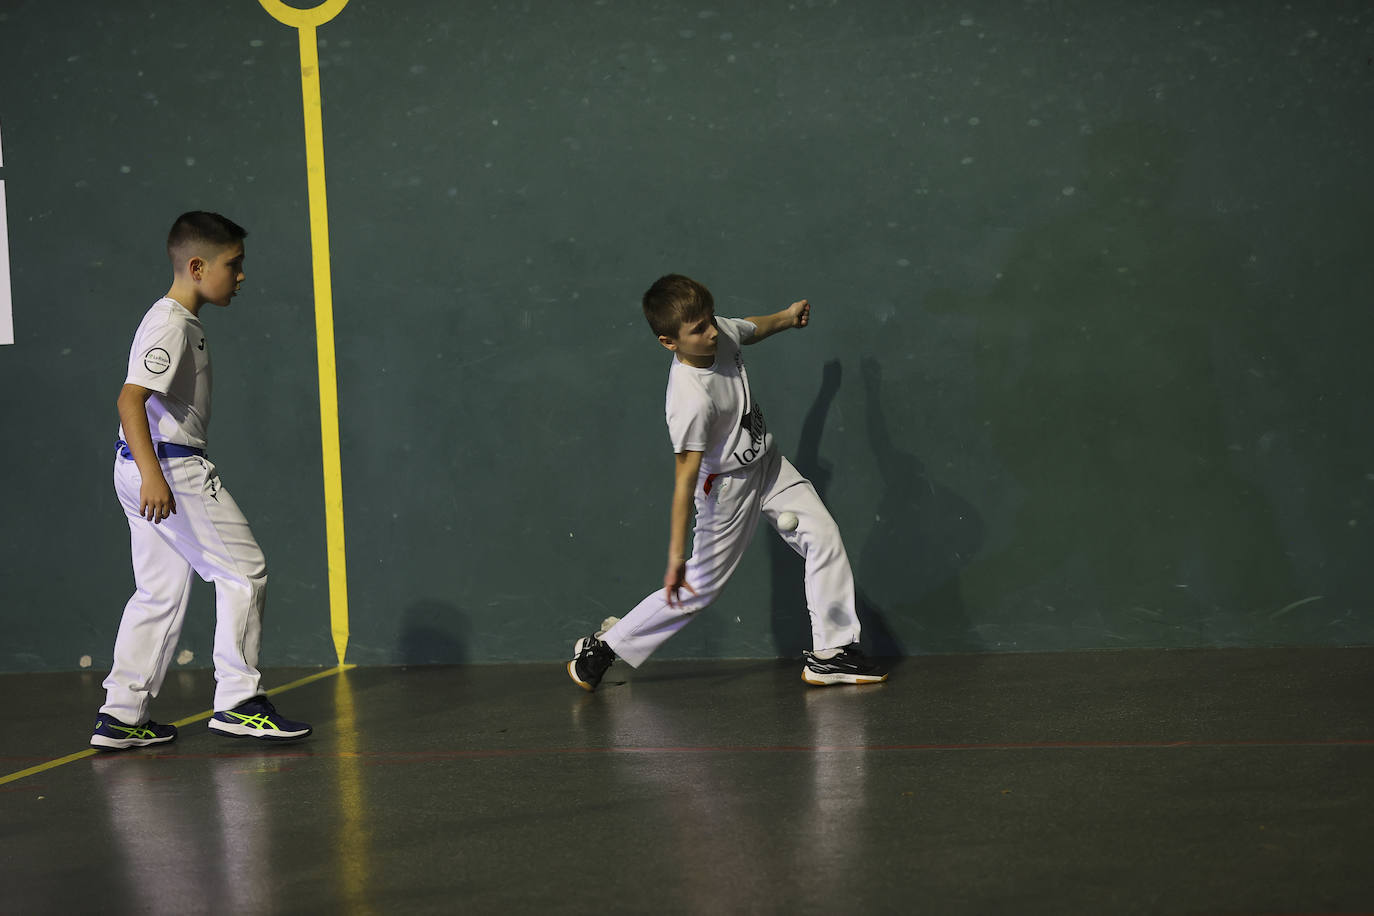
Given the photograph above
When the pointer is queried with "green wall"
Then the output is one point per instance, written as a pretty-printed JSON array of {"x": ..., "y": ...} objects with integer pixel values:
[{"x": 1088, "y": 365}]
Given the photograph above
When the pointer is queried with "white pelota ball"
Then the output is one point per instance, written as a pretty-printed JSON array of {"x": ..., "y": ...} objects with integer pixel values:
[{"x": 787, "y": 521}]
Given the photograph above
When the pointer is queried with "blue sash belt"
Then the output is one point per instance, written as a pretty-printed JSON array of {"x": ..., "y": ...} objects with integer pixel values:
[{"x": 164, "y": 450}]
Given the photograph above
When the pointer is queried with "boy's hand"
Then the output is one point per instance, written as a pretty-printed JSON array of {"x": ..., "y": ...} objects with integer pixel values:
[
  {"x": 675, "y": 578},
  {"x": 156, "y": 499},
  {"x": 796, "y": 315},
  {"x": 154, "y": 496}
]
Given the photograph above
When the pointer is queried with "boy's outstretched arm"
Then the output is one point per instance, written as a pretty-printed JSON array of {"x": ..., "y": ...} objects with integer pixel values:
[
  {"x": 686, "y": 470},
  {"x": 796, "y": 315},
  {"x": 155, "y": 497}
]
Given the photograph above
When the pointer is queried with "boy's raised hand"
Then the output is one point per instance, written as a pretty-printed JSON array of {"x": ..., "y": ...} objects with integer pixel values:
[{"x": 796, "y": 315}]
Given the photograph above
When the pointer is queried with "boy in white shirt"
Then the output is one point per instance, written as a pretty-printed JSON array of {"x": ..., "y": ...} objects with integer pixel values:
[
  {"x": 728, "y": 470},
  {"x": 182, "y": 521}
]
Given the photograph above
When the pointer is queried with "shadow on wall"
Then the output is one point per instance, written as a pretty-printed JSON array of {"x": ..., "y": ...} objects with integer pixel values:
[
  {"x": 923, "y": 535},
  {"x": 434, "y": 633}
]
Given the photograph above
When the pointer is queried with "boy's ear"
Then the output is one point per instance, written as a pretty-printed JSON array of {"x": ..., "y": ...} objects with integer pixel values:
[
  {"x": 667, "y": 342},
  {"x": 195, "y": 267}
]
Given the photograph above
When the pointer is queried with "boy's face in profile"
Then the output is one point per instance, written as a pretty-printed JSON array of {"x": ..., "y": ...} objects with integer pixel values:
[
  {"x": 695, "y": 343},
  {"x": 221, "y": 274}
]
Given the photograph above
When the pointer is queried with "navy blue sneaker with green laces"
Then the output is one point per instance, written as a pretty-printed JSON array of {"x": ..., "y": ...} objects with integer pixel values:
[
  {"x": 113, "y": 735},
  {"x": 257, "y": 718}
]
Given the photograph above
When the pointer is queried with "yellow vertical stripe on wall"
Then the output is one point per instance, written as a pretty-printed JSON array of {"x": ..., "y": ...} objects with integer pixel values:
[{"x": 306, "y": 21}]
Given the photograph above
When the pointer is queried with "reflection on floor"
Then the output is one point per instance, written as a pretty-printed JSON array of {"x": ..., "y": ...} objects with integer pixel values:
[{"x": 1140, "y": 781}]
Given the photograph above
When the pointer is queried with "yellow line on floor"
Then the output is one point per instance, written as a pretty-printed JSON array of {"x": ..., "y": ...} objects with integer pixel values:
[
  {"x": 89, "y": 752},
  {"x": 200, "y": 716}
]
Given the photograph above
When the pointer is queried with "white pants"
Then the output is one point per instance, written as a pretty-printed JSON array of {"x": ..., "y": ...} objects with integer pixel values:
[
  {"x": 208, "y": 536},
  {"x": 726, "y": 518}
]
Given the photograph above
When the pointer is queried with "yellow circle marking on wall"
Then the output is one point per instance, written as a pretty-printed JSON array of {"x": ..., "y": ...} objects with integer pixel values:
[{"x": 303, "y": 19}]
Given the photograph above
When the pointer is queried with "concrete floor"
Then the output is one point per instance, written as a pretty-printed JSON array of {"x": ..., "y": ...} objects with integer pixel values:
[{"x": 1197, "y": 781}]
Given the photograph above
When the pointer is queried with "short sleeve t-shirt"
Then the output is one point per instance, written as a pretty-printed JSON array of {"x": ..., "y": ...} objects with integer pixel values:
[
  {"x": 171, "y": 358},
  {"x": 713, "y": 411}
]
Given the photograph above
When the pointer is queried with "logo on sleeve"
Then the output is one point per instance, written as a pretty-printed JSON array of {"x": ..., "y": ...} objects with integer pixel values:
[{"x": 156, "y": 361}]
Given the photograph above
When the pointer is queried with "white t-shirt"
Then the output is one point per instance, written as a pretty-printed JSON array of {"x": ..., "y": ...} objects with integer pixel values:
[
  {"x": 170, "y": 357},
  {"x": 712, "y": 411}
]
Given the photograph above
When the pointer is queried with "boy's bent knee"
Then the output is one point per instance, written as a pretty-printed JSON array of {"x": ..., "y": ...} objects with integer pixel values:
[
  {"x": 253, "y": 567},
  {"x": 253, "y": 579}
]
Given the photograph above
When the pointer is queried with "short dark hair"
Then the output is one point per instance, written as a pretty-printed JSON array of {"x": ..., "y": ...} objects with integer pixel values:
[
  {"x": 197, "y": 231},
  {"x": 675, "y": 300}
]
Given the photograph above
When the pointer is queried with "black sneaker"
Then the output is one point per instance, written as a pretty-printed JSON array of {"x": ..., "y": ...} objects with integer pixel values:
[
  {"x": 257, "y": 718},
  {"x": 113, "y": 735},
  {"x": 592, "y": 657},
  {"x": 849, "y": 666}
]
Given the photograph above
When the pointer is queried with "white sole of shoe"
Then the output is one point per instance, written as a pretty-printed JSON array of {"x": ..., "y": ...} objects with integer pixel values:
[
  {"x": 124, "y": 744},
  {"x": 243, "y": 731},
  {"x": 828, "y": 679}
]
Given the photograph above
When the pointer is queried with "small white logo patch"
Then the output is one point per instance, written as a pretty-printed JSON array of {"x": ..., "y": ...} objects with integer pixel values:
[{"x": 156, "y": 361}]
